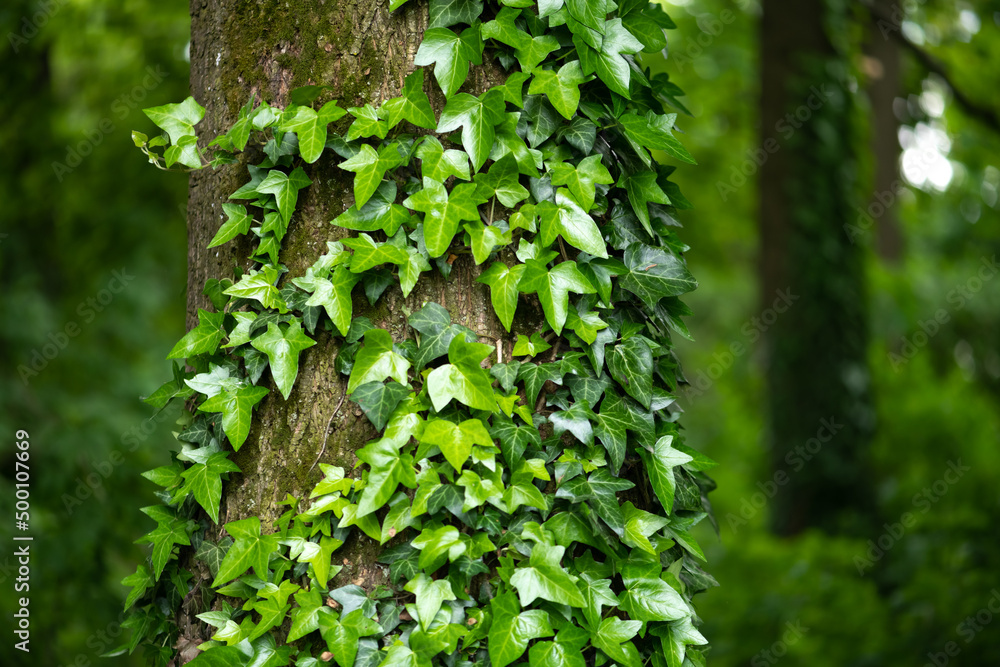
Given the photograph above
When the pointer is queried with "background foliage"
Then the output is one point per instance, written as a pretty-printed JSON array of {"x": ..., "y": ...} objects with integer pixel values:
[{"x": 64, "y": 238}]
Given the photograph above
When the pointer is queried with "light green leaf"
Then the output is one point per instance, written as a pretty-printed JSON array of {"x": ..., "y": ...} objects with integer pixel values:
[
  {"x": 450, "y": 54},
  {"x": 503, "y": 282},
  {"x": 236, "y": 408},
  {"x": 203, "y": 339},
  {"x": 376, "y": 361},
  {"x": 178, "y": 120},
  {"x": 430, "y": 596},
  {"x": 545, "y": 578},
  {"x": 368, "y": 254},
  {"x": 512, "y": 629},
  {"x": 238, "y": 222},
  {"x": 653, "y": 600},
  {"x": 463, "y": 379},
  {"x": 250, "y": 550},
  {"x": 412, "y": 105},
  {"x": 478, "y": 116},
  {"x": 438, "y": 164},
  {"x": 582, "y": 179},
  {"x": 285, "y": 188},
  {"x": 282, "y": 349},
  {"x": 566, "y": 218},
  {"x": 310, "y": 126},
  {"x": 204, "y": 481},
  {"x": 388, "y": 469},
  {"x": 502, "y": 181},
  {"x": 369, "y": 168},
  {"x": 553, "y": 288},
  {"x": 562, "y": 87},
  {"x": 378, "y": 213},
  {"x": 444, "y": 211}
]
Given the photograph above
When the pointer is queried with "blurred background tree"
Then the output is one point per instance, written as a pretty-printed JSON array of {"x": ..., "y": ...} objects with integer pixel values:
[
  {"x": 81, "y": 204},
  {"x": 872, "y": 549}
]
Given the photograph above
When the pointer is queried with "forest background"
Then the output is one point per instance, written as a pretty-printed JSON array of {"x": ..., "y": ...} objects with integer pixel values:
[{"x": 93, "y": 279}]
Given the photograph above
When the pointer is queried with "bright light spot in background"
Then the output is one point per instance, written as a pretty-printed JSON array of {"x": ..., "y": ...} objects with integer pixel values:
[
  {"x": 991, "y": 186},
  {"x": 925, "y": 156},
  {"x": 932, "y": 102},
  {"x": 969, "y": 21},
  {"x": 913, "y": 32}
]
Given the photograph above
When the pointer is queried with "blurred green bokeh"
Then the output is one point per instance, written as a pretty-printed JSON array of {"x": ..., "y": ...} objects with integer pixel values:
[{"x": 81, "y": 204}]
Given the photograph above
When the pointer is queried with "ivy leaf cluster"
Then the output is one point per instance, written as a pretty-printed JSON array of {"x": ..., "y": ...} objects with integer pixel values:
[{"x": 534, "y": 503}]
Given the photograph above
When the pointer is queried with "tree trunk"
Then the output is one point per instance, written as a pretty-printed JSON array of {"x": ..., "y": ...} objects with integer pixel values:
[
  {"x": 363, "y": 53},
  {"x": 812, "y": 274},
  {"x": 883, "y": 88}
]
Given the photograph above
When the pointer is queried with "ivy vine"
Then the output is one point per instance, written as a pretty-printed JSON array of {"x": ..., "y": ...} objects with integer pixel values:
[{"x": 535, "y": 509}]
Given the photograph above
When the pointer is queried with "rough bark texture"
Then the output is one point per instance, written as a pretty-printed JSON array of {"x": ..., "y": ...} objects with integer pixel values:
[
  {"x": 819, "y": 404},
  {"x": 363, "y": 52}
]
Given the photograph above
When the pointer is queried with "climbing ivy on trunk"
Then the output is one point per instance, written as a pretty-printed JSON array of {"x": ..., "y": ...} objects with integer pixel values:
[{"x": 533, "y": 503}]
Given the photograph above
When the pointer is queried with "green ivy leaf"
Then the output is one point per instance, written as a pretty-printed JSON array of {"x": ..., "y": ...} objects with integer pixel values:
[
  {"x": 412, "y": 105},
  {"x": 170, "y": 530},
  {"x": 576, "y": 420},
  {"x": 484, "y": 238},
  {"x": 654, "y": 273},
  {"x": 378, "y": 213},
  {"x": 178, "y": 120},
  {"x": 565, "y": 651},
  {"x": 502, "y": 181},
  {"x": 478, "y": 116},
  {"x": 282, "y": 349},
  {"x": 366, "y": 124},
  {"x": 444, "y": 13},
  {"x": 378, "y": 400},
  {"x": 553, "y": 288},
  {"x": 238, "y": 222},
  {"x": 341, "y": 636},
  {"x": 438, "y": 164},
  {"x": 631, "y": 365},
  {"x": 444, "y": 212},
  {"x": 310, "y": 126},
  {"x": 259, "y": 285},
  {"x": 368, "y": 254},
  {"x": 611, "y": 637},
  {"x": 438, "y": 545},
  {"x": 530, "y": 346},
  {"x": 655, "y": 132},
  {"x": 617, "y": 415},
  {"x": 250, "y": 550},
  {"x": 503, "y": 282},
  {"x": 204, "y": 481},
  {"x": 463, "y": 379},
  {"x": 436, "y": 332},
  {"x": 512, "y": 629},
  {"x": 599, "y": 490},
  {"x": 642, "y": 188},
  {"x": 596, "y": 593},
  {"x": 236, "y": 408},
  {"x": 388, "y": 469},
  {"x": 562, "y": 87},
  {"x": 450, "y": 54},
  {"x": 545, "y": 578},
  {"x": 582, "y": 179},
  {"x": 376, "y": 361},
  {"x": 660, "y": 464},
  {"x": 639, "y": 526},
  {"x": 610, "y": 62},
  {"x": 369, "y": 168},
  {"x": 334, "y": 294},
  {"x": 140, "y": 581},
  {"x": 430, "y": 596},
  {"x": 455, "y": 440},
  {"x": 535, "y": 376},
  {"x": 568, "y": 219},
  {"x": 203, "y": 339},
  {"x": 531, "y": 54},
  {"x": 653, "y": 600},
  {"x": 285, "y": 188}
]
